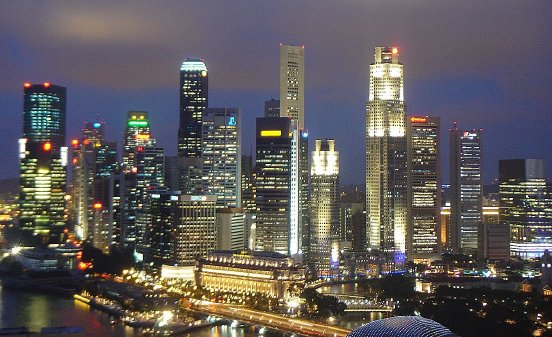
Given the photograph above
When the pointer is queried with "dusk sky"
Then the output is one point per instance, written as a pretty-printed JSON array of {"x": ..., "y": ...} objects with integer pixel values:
[{"x": 485, "y": 64}]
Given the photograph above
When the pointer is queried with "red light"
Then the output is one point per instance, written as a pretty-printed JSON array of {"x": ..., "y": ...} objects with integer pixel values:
[
  {"x": 65, "y": 231},
  {"x": 86, "y": 141},
  {"x": 46, "y": 84},
  {"x": 75, "y": 142},
  {"x": 75, "y": 161},
  {"x": 140, "y": 149},
  {"x": 418, "y": 119},
  {"x": 84, "y": 265},
  {"x": 27, "y": 85},
  {"x": 98, "y": 205},
  {"x": 47, "y": 146},
  {"x": 395, "y": 50},
  {"x": 134, "y": 170}
]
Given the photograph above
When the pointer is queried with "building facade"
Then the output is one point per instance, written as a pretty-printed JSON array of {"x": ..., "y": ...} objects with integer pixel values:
[
  {"x": 466, "y": 190},
  {"x": 526, "y": 206},
  {"x": 221, "y": 154},
  {"x": 386, "y": 191},
  {"x": 267, "y": 273},
  {"x": 424, "y": 188},
  {"x": 292, "y": 83},
  {"x": 43, "y": 161},
  {"x": 323, "y": 251}
]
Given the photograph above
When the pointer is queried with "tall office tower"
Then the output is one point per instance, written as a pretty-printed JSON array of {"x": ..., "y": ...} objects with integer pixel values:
[
  {"x": 221, "y": 154},
  {"x": 323, "y": 252},
  {"x": 292, "y": 105},
  {"x": 424, "y": 188},
  {"x": 43, "y": 157},
  {"x": 466, "y": 190},
  {"x": 272, "y": 108},
  {"x": 159, "y": 230},
  {"x": 292, "y": 83},
  {"x": 526, "y": 206},
  {"x": 150, "y": 176},
  {"x": 277, "y": 196},
  {"x": 386, "y": 156},
  {"x": 94, "y": 161},
  {"x": 193, "y": 102},
  {"x": 195, "y": 232},
  {"x": 137, "y": 133}
]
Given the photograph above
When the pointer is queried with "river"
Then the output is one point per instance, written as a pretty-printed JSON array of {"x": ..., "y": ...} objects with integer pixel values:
[{"x": 35, "y": 310}]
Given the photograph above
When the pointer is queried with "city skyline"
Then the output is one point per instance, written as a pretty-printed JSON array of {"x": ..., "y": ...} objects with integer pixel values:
[{"x": 489, "y": 89}]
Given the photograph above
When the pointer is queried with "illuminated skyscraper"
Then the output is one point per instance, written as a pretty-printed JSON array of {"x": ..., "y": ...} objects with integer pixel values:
[
  {"x": 386, "y": 156},
  {"x": 137, "y": 133},
  {"x": 526, "y": 206},
  {"x": 221, "y": 154},
  {"x": 292, "y": 83},
  {"x": 193, "y": 102},
  {"x": 466, "y": 190},
  {"x": 324, "y": 192},
  {"x": 43, "y": 158},
  {"x": 94, "y": 161},
  {"x": 195, "y": 230},
  {"x": 277, "y": 187},
  {"x": 424, "y": 188},
  {"x": 292, "y": 105}
]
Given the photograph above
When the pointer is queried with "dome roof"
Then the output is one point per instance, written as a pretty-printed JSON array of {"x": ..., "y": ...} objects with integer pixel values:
[{"x": 404, "y": 326}]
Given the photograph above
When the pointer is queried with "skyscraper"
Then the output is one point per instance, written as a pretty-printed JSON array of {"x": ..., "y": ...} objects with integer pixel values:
[
  {"x": 466, "y": 190},
  {"x": 323, "y": 250},
  {"x": 221, "y": 154},
  {"x": 43, "y": 157},
  {"x": 292, "y": 105},
  {"x": 273, "y": 174},
  {"x": 386, "y": 156},
  {"x": 526, "y": 206},
  {"x": 193, "y": 102},
  {"x": 137, "y": 133},
  {"x": 424, "y": 188},
  {"x": 94, "y": 161}
]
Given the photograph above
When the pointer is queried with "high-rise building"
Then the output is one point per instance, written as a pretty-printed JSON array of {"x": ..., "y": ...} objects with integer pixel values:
[
  {"x": 43, "y": 158},
  {"x": 292, "y": 83},
  {"x": 424, "y": 188},
  {"x": 221, "y": 154},
  {"x": 272, "y": 108},
  {"x": 137, "y": 133},
  {"x": 277, "y": 201},
  {"x": 94, "y": 161},
  {"x": 386, "y": 191},
  {"x": 466, "y": 190},
  {"x": 230, "y": 228},
  {"x": 195, "y": 230},
  {"x": 323, "y": 250},
  {"x": 526, "y": 206},
  {"x": 160, "y": 229},
  {"x": 193, "y": 102}
]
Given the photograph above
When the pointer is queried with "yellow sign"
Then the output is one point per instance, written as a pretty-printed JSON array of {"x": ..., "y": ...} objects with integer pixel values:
[{"x": 271, "y": 133}]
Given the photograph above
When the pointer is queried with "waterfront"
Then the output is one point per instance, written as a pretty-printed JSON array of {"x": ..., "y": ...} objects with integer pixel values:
[{"x": 36, "y": 310}]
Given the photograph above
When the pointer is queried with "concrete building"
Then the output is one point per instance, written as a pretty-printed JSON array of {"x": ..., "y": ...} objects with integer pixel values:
[
  {"x": 424, "y": 188},
  {"x": 386, "y": 185},
  {"x": 466, "y": 190}
]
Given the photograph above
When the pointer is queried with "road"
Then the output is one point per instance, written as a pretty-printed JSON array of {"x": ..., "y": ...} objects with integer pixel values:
[{"x": 271, "y": 320}]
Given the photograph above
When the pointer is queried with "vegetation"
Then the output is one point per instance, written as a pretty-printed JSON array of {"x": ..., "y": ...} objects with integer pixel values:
[
  {"x": 322, "y": 306},
  {"x": 113, "y": 263}
]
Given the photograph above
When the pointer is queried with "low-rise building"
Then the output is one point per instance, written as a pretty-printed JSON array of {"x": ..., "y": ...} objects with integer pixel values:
[{"x": 269, "y": 273}]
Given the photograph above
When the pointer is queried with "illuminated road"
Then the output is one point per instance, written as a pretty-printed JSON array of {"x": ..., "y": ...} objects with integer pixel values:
[{"x": 268, "y": 320}]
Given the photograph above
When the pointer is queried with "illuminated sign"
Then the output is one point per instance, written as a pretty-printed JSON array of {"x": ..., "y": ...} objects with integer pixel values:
[
  {"x": 97, "y": 125},
  {"x": 271, "y": 133},
  {"x": 138, "y": 123},
  {"x": 198, "y": 198},
  {"x": 98, "y": 205},
  {"x": 142, "y": 136},
  {"x": 418, "y": 119},
  {"x": 232, "y": 121}
]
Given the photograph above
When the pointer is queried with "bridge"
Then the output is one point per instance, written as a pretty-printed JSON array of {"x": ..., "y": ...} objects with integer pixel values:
[
  {"x": 360, "y": 304},
  {"x": 271, "y": 321}
]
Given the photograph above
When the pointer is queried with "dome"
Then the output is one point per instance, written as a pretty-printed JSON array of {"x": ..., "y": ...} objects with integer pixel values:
[{"x": 404, "y": 326}]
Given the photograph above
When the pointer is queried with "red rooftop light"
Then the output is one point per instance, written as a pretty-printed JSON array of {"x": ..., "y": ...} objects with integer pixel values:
[
  {"x": 46, "y": 84},
  {"x": 27, "y": 85},
  {"x": 47, "y": 146}
]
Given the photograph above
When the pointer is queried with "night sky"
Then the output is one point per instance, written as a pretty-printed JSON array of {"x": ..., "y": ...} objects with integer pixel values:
[{"x": 485, "y": 64}]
